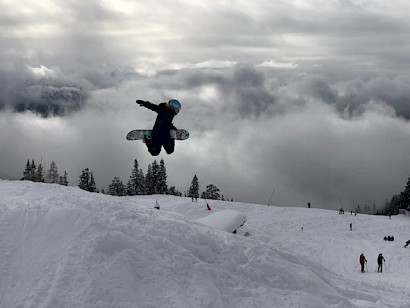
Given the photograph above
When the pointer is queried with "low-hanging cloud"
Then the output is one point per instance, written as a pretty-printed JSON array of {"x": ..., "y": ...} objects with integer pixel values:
[
  {"x": 26, "y": 89},
  {"x": 351, "y": 97},
  {"x": 49, "y": 97}
]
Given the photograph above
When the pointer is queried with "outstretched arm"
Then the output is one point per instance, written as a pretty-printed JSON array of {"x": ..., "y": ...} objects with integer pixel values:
[{"x": 148, "y": 105}]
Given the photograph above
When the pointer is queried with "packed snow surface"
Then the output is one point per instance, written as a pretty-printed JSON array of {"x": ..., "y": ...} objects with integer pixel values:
[{"x": 64, "y": 247}]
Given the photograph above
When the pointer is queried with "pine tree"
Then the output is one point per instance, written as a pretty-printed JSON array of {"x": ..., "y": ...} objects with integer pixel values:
[
  {"x": 135, "y": 184},
  {"x": 155, "y": 172},
  {"x": 84, "y": 179},
  {"x": 52, "y": 173},
  {"x": 63, "y": 179},
  {"x": 130, "y": 189},
  {"x": 150, "y": 181},
  {"x": 132, "y": 182},
  {"x": 141, "y": 190},
  {"x": 161, "y": 180},
  {"x": 193, "y": 191},
  {"x": 27, "y": 172},
  {"x": 91, "y": 184},
  {"x": 39, "y": 174},
  {"x": 212, "y": 192},
  {"x": 174, "y": 192},
  {"x": 405, "y": 196},
  {"x": 33, "y": 174},
  {"x": 117, "y": 188},
  {"x": 87, "y": 181}
]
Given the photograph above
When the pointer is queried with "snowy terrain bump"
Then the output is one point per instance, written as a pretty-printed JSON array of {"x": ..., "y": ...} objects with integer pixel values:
[{"x": 64, "y": 247}]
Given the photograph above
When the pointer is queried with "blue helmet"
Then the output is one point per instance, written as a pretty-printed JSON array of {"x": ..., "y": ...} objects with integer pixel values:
[{"x": 175, "y": 105}]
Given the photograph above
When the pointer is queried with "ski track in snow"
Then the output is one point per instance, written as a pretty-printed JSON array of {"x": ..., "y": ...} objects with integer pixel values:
[{"x": 64, "y": 247}]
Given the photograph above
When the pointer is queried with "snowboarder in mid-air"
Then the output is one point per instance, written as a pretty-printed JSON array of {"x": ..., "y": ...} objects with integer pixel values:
[{"x": 161, "y": 136}]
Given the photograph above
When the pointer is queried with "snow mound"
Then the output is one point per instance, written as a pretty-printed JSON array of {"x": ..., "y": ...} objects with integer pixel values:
[
  {"x": 226, "y": 220},
  {"x": 64, "y": 247}
]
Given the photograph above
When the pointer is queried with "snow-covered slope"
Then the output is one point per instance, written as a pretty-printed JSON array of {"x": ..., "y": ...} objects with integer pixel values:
[{"x": 64, "y": 247}]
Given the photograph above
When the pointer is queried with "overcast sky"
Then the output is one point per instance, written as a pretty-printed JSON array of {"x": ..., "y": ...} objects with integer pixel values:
[{"x": 310, "y": 98}]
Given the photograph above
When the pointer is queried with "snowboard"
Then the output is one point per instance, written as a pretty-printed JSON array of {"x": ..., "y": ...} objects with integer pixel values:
[{"x": 139, "y": 134}]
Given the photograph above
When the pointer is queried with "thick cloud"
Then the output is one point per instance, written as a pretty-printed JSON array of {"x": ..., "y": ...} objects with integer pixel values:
[
  {"x": 309, "y": 97},
  {"x": 354, "y": 95},
  {"x": 49, "y": 98},
  {"x": 46, "y": 95}
]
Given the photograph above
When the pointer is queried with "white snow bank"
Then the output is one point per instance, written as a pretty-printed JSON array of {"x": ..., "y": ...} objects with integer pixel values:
[
  {"x": 226, "y": 220},
  {"x": 64, "y": 247}
]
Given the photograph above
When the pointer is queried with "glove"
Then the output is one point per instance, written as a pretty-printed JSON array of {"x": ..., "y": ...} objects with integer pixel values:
[{"x": 140, "y": 102}]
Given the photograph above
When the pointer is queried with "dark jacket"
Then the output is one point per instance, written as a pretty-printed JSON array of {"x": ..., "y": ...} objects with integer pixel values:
[
  {"x": 380, "y": 259},
  {"x": 163, "y": 122},
  {"x": 362, "y": 259}
]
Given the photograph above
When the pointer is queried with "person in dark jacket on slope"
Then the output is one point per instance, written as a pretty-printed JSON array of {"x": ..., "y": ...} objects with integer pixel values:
[
  {"x": 161, "y": 136},
  {"x": 362, "y": 261},
  {"x": 380, "y": 260}
]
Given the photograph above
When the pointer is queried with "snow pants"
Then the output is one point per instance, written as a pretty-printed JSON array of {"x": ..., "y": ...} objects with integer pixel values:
[{"x": 154, "y": 145}]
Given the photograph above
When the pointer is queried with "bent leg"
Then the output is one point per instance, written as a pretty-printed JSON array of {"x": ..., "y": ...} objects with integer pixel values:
[
  {"x": 169, "y": 145},
  {"x": 153, "y": 146}
]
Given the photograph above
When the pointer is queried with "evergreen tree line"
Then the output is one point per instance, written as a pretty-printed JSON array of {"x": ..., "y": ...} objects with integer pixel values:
[
  {"x": 153, "y": 182},
  {"x": 212, "y": 192},
  {"x": 399, "y": 201},
  {"x": 35, "y": 173}
]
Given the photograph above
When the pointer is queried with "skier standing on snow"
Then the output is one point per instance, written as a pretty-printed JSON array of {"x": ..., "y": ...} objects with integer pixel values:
[
  {"x": 163, "y": 124},
  {"x": 362, "y": 261},
  {"x": 380, "y": 260}
]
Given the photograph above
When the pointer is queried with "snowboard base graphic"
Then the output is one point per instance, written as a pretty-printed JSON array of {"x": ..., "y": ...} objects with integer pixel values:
[{"x": 140, "y": 134}]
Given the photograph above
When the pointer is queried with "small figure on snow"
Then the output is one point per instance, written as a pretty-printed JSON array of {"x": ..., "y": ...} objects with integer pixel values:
[
  {"x": 362, "y": 261},
  {"x": 380, "y": 260},
  {"x": 351, "y": 226},
  {"x": 163, "y": 124}
]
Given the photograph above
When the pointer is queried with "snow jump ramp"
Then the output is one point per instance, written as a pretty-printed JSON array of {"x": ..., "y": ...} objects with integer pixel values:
[{"x": 226, "y": 220}]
